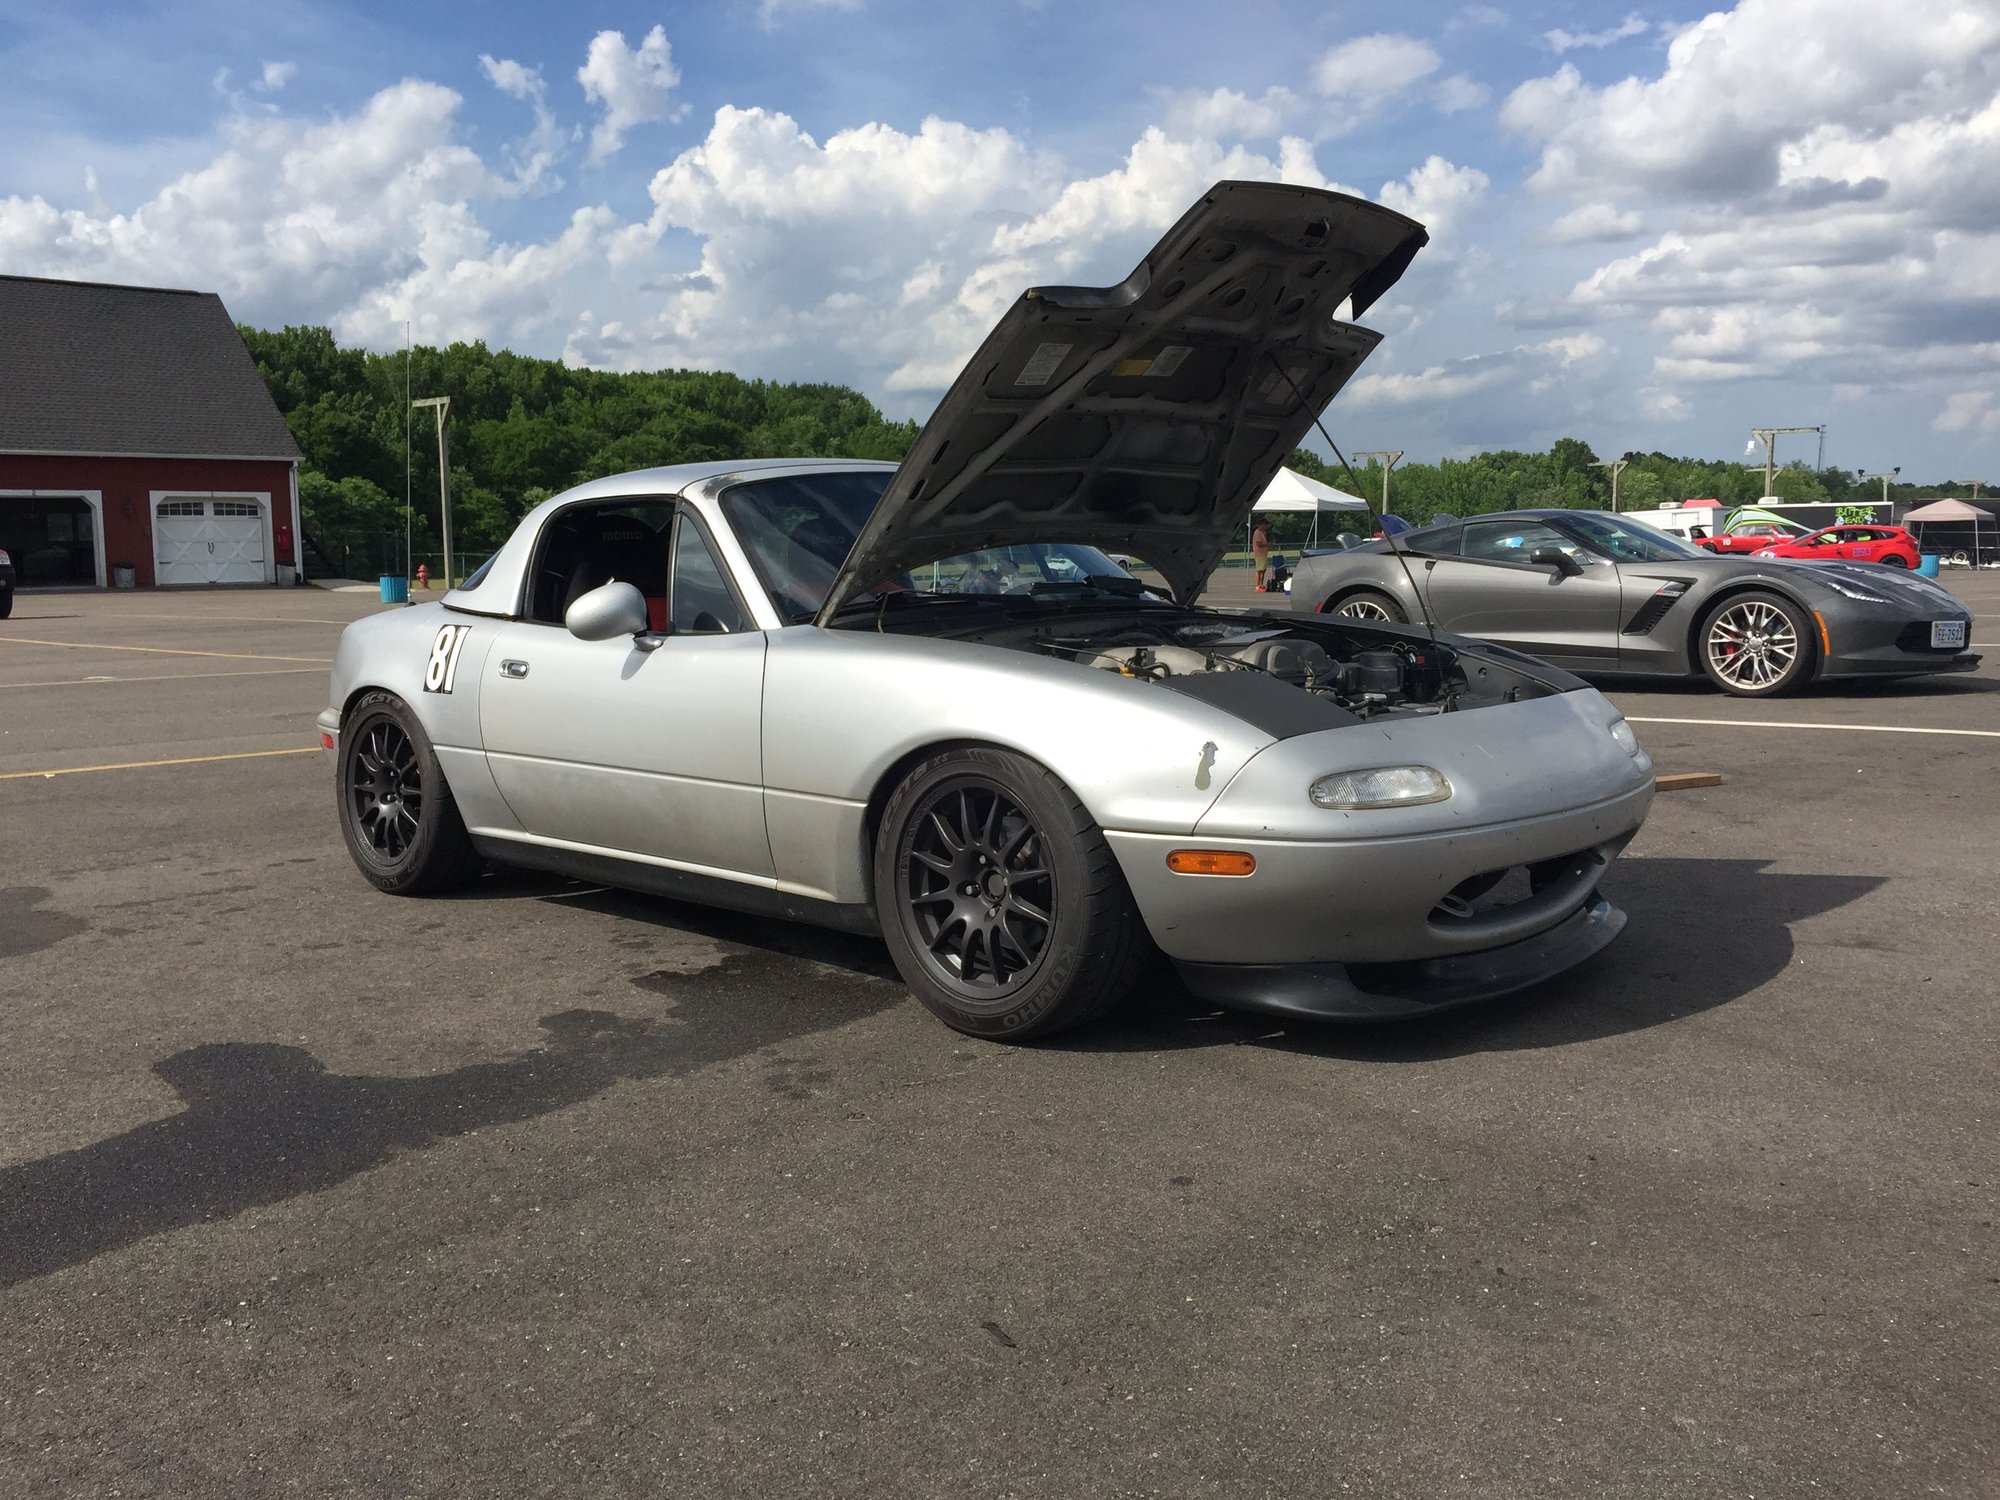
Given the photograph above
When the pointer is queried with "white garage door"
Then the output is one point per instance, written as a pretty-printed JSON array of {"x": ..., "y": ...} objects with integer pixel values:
[{"x": 209, "y": 541}]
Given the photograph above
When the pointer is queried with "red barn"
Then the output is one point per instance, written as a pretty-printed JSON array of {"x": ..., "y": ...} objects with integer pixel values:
[{"x": 136, "y": 433}]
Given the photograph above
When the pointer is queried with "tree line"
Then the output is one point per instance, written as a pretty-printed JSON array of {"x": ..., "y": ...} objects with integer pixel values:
[{"x": 521, "y": 429}]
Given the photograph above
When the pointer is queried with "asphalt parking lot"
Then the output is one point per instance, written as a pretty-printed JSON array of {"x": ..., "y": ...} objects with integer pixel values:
[{"x": 545, "y": 1190}]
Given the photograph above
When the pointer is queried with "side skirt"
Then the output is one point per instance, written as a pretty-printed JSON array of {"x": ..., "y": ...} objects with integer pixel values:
[{"x": 679, "y": 885}]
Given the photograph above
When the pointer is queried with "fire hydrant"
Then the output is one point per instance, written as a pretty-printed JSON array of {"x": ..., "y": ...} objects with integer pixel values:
[{"x": 423, "y": 575}]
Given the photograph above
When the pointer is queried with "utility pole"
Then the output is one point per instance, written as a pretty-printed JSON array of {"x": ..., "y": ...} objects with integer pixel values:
[
  {"x": 1768, "y": 436},
  {"x": 1390, "y": 457},
  {"x": 441, "y": 405},
  {"x": 1617, "y": 467}
]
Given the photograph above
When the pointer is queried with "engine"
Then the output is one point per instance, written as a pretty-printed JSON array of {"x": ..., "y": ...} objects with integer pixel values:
[{"x": 1405, "y": 676}]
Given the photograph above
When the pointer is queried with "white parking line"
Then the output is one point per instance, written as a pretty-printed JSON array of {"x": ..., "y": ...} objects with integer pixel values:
[
  {"x": 168, "y": 677},
  {"x": 1979, "y": 734}
]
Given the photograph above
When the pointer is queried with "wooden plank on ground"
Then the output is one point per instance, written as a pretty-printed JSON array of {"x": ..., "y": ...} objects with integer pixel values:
[{"x": 1686, "y": 781}]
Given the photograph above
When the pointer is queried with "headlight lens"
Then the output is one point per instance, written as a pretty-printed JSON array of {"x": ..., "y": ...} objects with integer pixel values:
[
  {"x": 1627, "y": 740},
  {"x": 1384, "y": 786}
]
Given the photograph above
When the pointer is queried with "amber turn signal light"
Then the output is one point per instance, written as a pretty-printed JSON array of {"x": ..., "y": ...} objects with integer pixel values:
[{"x": 1210, "y": 862}]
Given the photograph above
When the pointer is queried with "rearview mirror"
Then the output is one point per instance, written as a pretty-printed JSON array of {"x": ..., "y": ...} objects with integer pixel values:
[
  {"x": 607, "y": 612},
  {"x": 1554, "y": 557}
]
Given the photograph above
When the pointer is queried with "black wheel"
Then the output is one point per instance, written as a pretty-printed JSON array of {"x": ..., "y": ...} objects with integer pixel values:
[
  {"x": 1708, "y": 546},
  {"x": 6, "y": 604},
  {"x": 1000, "y": 900},
  {"x": 1756, "y": 645},
  {"x": 1892, "y": 560},
  {"x": 396, "y": 813},
  {"x": 1367, "y": 604}
]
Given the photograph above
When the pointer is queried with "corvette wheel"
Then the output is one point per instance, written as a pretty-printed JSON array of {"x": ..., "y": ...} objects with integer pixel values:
[
  {"x": 1756, "y": 646},
  {"x": 397, "y": 815},
  {"x": 1000, "y": 900},
  {"x": 1367, "y": 604}
]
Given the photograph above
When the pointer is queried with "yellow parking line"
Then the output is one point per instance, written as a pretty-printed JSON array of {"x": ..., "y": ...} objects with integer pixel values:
[
  {"x": 164, "y": 677},
  {"x": 27, "y": 640},
  {"x": 141, "y": 765}
]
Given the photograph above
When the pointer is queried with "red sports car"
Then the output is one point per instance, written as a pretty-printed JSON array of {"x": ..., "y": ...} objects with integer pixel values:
[
  {"x": 1891, "y": 545},
  {"x": 1746, "y": 537}
]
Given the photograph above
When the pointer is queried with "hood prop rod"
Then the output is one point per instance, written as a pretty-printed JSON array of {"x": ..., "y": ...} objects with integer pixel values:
[{"x": 1423, "y": 600}]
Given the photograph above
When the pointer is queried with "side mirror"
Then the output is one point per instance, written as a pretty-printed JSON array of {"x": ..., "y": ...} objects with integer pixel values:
[
  {"x": 1542, "y": 557},
  {"x": 607, "y": 612}
]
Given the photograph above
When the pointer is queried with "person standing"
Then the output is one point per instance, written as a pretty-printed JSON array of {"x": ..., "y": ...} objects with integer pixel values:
[{"x": 1260, "y": 549}]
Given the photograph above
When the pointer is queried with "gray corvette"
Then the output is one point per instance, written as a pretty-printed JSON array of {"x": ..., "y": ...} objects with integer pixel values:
[
  {"x": 1594, "y": 592},
  {"x": 921, "y": 700}
]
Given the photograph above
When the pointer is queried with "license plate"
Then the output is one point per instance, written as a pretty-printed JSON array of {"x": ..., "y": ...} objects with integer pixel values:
[{"x": 1947, "y": 634}]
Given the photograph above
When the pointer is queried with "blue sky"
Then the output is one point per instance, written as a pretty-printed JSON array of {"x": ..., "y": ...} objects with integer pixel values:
[{"x": 1653, "y": 226}]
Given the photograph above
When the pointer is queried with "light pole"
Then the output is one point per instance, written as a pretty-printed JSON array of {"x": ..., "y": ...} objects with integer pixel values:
[
  {"x": 1390, "y": 457},
  {"x": 1768, "y": 436},
  {"x": 441, "y": 405},
  {"x": 1617, "y": 467},
  {"x": 1885, "y": 477}
]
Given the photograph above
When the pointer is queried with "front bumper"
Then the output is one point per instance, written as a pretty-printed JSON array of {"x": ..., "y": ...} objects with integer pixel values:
[
  {"x": 327, "y": 722},
  {"x": 1893, "y": 647},
  {"x": 1378, "y": 992}
]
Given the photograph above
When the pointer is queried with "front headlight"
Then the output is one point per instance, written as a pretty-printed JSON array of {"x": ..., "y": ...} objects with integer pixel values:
[
  {"x": 1627, "y": 740},
  {"x": 1384, "y": 786}
]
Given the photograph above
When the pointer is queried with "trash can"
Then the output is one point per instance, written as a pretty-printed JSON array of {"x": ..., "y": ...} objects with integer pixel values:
[
  {"x": 124, "y": 576},
  {"x": 1927, "y": 564},
  {"x": 395, "y": 589}
]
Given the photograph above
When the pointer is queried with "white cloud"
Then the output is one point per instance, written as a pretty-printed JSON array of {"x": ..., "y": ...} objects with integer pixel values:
[
  {"x": 1968, "y": 411},
  {"x": 1225, "y": 112},
  {"x": 1569, "y": 41},
  {"x": 635, "y": 86},
  {"x": 1593, "y": 222},
  {"x": 1663, "y": 405},
  {"x": 1824, "y": 176},
  {"x": 769, "y": 11},
  {"x": 1526, "y": 368},
  {"x": 275, "y": 76},
  {"x": 297, "y": 221},
  {"x": 1458, "y": 93},
  {"x": 1373, "y": 68},
  {"x": 531, "y": 159}
]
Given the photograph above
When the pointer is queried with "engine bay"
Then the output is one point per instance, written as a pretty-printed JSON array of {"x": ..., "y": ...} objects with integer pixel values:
[{"x": 1286, "y": 675}]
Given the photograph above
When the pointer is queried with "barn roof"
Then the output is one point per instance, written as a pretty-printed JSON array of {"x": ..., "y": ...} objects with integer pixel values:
[{"x": 90, "y": 368}]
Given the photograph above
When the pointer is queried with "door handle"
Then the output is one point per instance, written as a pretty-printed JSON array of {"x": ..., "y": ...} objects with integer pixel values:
[{"x": 512, "y": 668}]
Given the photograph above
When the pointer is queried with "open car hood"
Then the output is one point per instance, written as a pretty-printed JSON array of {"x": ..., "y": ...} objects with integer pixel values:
[{"x": 1146, "y": 417}]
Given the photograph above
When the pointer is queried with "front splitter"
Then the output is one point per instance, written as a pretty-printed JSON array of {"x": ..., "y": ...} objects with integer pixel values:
[{"x": 1378, "y": 992}]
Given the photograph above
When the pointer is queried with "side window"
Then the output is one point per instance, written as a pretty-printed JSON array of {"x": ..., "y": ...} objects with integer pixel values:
[
  {"x": 1511, "y": 541},
  {"x": 700, "y": 596},
  {"x": 624, "y": 541}
]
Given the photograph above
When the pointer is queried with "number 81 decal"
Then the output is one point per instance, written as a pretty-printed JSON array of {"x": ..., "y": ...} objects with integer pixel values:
[{"x": 441, "y": 671}]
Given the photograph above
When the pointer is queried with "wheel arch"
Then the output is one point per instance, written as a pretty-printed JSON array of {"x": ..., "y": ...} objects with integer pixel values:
[
  {"x": 1753, "y": 585},
  {"x": 1347, "y": 591},
  {"x": 898, "y": 771}
]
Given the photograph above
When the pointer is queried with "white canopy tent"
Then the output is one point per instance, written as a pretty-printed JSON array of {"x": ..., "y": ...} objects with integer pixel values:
[
  {"x": 1290, "y": 490},
  {"x": 1951, "y": 514}
]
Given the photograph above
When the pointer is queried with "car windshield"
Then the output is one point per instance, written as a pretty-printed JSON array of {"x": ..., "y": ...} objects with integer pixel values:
[
  {"x": 798, "y": 530},
  {"x": 1626, "y": 541}
]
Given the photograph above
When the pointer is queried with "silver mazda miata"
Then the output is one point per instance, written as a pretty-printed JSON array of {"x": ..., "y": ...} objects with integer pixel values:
[{"x": 921, "y": 700}]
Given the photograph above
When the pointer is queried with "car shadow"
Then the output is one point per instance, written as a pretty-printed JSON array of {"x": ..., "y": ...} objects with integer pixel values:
[
  {"x": 1701, "y": 933},
  {"x": 1653, "y": 974},
  {"x": 262, "y": 1122}
]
